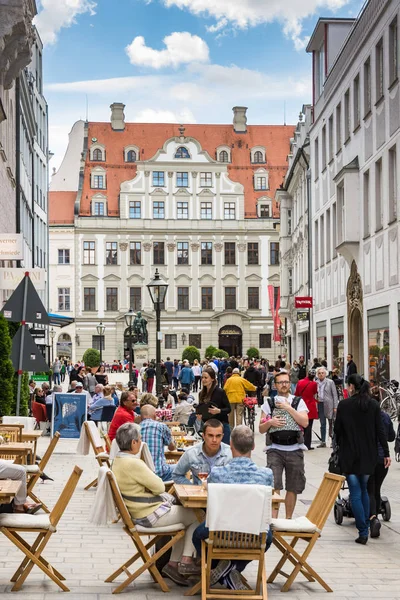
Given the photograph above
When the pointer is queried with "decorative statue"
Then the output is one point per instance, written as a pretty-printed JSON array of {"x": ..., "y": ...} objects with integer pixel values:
[{"x": 140, "y": 328}]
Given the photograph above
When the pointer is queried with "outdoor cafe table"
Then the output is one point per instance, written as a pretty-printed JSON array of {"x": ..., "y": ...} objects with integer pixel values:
[
  {"x": 19, "y": 449},
  {"x": 8, "y": 490},
  {"x": 32, "y": 436}
]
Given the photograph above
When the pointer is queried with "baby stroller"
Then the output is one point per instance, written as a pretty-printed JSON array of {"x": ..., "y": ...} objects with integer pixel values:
[{"x": 343, "y": 508}]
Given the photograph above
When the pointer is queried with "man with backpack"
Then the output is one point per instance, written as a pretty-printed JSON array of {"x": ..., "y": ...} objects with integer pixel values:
[{"x": 284, "y": 418}]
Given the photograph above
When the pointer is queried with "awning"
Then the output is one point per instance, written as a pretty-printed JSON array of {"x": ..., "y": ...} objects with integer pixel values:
[{"x": 60, "y": 320}]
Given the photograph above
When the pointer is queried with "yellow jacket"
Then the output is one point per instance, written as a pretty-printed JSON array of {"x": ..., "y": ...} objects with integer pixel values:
[{"x": 236, "y": 388}]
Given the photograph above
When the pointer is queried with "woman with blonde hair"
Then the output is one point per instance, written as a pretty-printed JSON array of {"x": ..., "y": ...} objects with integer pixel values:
[
  {"x": 148, "y": 399},
  {"x": 197, "y": 370}
]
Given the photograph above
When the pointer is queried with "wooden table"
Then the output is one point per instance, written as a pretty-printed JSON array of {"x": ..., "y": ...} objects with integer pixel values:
[
  {"x": 8, "y": 490},
  {"x": 19, "y": 449},
  {"x": 13, "y": 426},
  {"x": 32, "y": 436}
]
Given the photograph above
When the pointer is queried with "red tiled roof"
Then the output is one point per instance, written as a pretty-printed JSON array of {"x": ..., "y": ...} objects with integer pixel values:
[{"x": 61, "y": 208}]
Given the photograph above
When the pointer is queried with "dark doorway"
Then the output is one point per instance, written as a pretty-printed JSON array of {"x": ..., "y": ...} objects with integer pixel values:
[{"x": 230, "y": 340}]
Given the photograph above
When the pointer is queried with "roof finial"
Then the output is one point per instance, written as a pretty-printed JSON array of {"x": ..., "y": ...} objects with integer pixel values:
[{"x": 182, "y": 131}]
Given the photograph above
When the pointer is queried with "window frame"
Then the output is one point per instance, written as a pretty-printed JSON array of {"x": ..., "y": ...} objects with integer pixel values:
[
  {"x": 274, "y": 250},
  {"x": 135, "y": 251},
  {"x": 253, "y": 252},
  {"x": 268, "y": 338},
  {"x": 258, "y": 183},
  {"x": 206, "y": 254},
  {"x": 182, "y": 295},
  {"x": 256, "y": 156},
  {"x": 207, "y": 298},
  {"x": 206, "y": 179},
  {"x": 66, "y": 256},
  {"x": 158, "y": 209},
  {"x": 223, "y": 152},
  {"x": 64, "y": 299},
  {"x": 111, "y": 258},
  {"x": 135, "y": 306},
  {"x": 253, "y": 297},
  {"x": 205, "y": 207},
  {"x": 182, "y": 210},
  {"x": 158, "y": 176},
  {"x": 96, "y": 181},
  {"x": 171, "y": 341},
  {"x": 95, "y": 154},
  {"x": 96, "y": 205},
  {"x": 230, "y": 253},
  {"x": 89, "y": 253},
  {"x": 110, "y": 297},
  {"x": 182, "y": 253},
  {"x": 184, "y": 153},
  {"x": 133, "y": 209},
  {"x": 228, "y": 208},
  {"x": 182, "y": 176},
  {"x": 89, "y": 299},
  {"x": 159, "y": 250},
  {"x": 231, "y": 305},
  {"x": 127, "y": 158}
]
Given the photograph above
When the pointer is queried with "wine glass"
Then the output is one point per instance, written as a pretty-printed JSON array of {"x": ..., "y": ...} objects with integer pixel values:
[{"x": 203, "y": 475}]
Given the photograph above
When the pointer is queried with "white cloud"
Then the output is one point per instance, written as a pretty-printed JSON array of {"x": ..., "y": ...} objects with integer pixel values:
[
  {"x": 149, "y": 115},
  {"x": 249, "y": 13},
  {"x": 56, "y": 14},
  {"x": 180, "y": 48}
]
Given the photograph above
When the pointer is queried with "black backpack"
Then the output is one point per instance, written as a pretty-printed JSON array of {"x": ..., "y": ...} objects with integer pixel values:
[{"x": 285, "y": 437}]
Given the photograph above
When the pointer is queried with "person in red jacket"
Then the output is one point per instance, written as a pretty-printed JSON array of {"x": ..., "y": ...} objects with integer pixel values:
[
  {"x": 307, "y": 389},
  {"x": 125, "y": 413}
]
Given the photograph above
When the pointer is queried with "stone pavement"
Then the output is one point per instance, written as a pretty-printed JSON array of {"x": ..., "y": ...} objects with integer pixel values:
[{"x": 86, "y": 555}]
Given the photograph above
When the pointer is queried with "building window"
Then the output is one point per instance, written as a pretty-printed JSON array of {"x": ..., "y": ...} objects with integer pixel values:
[
  {"x": 206, "y": 298},
  {"x": 393, "y": 52},
  {"x": 258, "y": 157},
  {"x": 158, "y": 253},
  {"x": 158, "y": 179},
  {"x": 290, "y": 281},
  {"x": 334, "y": 231},
  {"x": 89, "y": 253},
  {"x": 158, "y": 210},
  {"x": 89, "y": 298},
  {"x": 171, "y": 341},
  {"x": 378, "y": 195},
  {"x": 182, "y": 210},
  {"x": 379, "y": 78},
  {"x": 289, "y": 222},
  {"x": 323, "y": 147},
  {"x": 274, "y": 253},
  {"x": 205, "y": 179},
  {"x": 229, "y": 211},
  {"x": 265, "y": 211},
  {"x": 135, "y": 297},
  {"x": 392, "y": 184},
  {"x": 99, "y": 342},
  {"x": 131, "y": 156},
  {"x": 182, "y": 153},
  {"x": 98, "y": 209},
  {"x": 206, "y": 210},
  {"x": 64, "y": 299},
  {"x": 135, "y": 210},
  {"x": 99, "y": 182},
  {"x": 182, "y": 179},
  {"x": 366, "y": 203},
  {"x": 97, "y": 154},
  {"x": 356, "y": 101},
  {"x": 341, "y": 214},
  {"x": 252, "y": 253},
  {"x": 183, "y": 298},
  {"x": 322, "y": 346},
  {"x": 260, "y": 182},
  {"x": 206, "y": 253},
  {"x": 337, "y": 343},
  {"x": 330, "y": 141},
  {"x": 379, "y": 344},
  {"x": 265, "y": 340},
  {"x": 328, "y": 236},
  {"x": 111, "y": 253},
  {"x": 367, "y": 87},
  {"x": 63, "y": 256},
  {"x": 347, "y": 122},
  {"x": 316, "y": 158},
  {"x": 183, "y": 253},
  {"x": 112, "y": 299},
  {"x": 338, "y": 127},
  {"x": 224, "y": 156},
  {"x": 253, "y": 296},
  {"x": 135, "y": 253},
  {"x": 230, "y": 253},
  {"x": 195, "y": 340},
  {"x": 230, "y": 298},
  {"x": 322, "y": 244}
]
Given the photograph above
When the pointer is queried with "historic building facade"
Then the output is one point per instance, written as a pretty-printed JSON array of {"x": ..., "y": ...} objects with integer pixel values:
[
  {"x": 355, "y": 189},
  {"x": 195, "y": 202}
]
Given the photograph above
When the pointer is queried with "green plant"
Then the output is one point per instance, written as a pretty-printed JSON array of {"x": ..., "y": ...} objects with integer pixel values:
[
  {"x": 253, "y": 352},
  {"x": 210, "y": 351},
  {"x": 190, "y": 353},
  {"x": 91, "y": 358},
  {"x": 385, "y": 351},
  {"x": 6, "y": 369},
  {"x": 374, "y": 351},
  {"x": 221, "y": 354}
]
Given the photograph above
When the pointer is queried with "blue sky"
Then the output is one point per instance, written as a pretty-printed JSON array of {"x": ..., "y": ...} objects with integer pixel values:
[{"x": 177, "y": 60}]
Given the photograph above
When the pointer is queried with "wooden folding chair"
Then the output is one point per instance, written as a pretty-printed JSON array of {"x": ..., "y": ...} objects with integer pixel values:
[
  {"x": 42, "y": 525},
  {"x": 317, "y": 516},
  {"x": 10, "y": 428},
  {"x": 175, "y": 532},
  {"x": 34, "y": 472},
  {"x": 100, "y": 453}
]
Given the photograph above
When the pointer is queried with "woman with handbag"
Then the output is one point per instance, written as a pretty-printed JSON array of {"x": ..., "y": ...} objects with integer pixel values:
[{"x": 358, "y": 429}]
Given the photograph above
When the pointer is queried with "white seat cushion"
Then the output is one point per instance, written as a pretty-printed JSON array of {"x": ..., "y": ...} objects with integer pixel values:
[
  {"x": 103, "y": 455},
  {"x": 298, "y": 525},
  {"x": 31, "y": 468},
  {"x": 23, "y": 521},
  {"x": 155, "y": 530}
]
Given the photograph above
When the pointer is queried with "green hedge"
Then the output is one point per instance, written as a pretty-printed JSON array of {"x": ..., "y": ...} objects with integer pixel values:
[
  {"x": 91, "y": 358},
  {"x": 190, "y": 353},
  {"x": 6, "y": 369}
]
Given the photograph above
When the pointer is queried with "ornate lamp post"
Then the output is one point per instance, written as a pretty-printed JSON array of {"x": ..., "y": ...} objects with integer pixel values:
[
  {"x": 129, "y": 317},
  {"x": 101, "y": 330},
  {"x": 52, "y": 335},
  {"x": 158, "y": 290}
]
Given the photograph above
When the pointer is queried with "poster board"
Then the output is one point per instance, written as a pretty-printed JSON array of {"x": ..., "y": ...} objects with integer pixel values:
[{"x": 69, "y": 414}]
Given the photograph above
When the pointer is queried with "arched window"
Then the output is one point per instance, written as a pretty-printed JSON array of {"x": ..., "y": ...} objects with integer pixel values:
[
  {"x": 223, "y": 156},
  {"x": 258, "y": 157},
  {"x": 131, "y": 156},
  {"x": 97, "y": 154},
  {"x": 182, "y": 153}
]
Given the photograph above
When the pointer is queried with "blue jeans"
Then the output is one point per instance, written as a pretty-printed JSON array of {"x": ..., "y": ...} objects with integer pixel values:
[
  {"x": 227, "y": 433},
  {"x": 56, "y": 378},
  {"x": 167, "y": 476},
  {"x": 359, "y": 501},
  {"x": 322, "y": 420}
]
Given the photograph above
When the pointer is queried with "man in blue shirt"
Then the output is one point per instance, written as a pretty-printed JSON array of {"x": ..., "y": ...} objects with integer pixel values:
[
  {"x": 241, "y": 469},
  {"x": 203, "y": 457},
  {"x": 169, "y": 365},
  {"x": 186, "y": 376},
  {"x": 157, "y": 435}
]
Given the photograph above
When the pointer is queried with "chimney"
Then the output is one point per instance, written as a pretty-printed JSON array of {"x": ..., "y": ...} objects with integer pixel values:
[
  {"x": 117, "y": 116},
  {"x": 239, "y": 119}
]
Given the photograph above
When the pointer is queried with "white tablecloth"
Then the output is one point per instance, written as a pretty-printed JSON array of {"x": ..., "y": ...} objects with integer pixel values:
[{"x": 27, "y": 422}]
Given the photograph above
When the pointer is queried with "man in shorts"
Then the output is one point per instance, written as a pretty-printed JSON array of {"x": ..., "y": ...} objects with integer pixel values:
[{"x": 287, "y": 455}]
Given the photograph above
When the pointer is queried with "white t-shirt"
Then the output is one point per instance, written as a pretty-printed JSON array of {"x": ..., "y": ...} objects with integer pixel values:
[
  {"x": 302, "y": 407},
  {"x": 213, "y": 366}
]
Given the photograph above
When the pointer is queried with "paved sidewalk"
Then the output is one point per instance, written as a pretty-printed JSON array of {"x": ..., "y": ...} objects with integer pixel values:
[{"x": 86, "y": 555}]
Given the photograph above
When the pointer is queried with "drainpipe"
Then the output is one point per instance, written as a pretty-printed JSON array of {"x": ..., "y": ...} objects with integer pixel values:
[{"x": 17, "y": 160}]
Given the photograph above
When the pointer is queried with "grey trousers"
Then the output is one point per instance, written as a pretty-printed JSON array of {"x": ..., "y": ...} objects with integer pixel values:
[{"x": 16, "y": 472}]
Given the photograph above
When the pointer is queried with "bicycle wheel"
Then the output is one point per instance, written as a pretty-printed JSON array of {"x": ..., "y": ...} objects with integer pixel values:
[
  {"x": 388, "y": 405},
  {"x": 246, "y": 415},
  {"x": 252, "y": 418}
]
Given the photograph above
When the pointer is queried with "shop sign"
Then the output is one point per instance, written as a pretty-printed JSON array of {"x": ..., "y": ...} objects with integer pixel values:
[
  {"x": 11, "y": 246},
  {"x": 303, "y": 302}
]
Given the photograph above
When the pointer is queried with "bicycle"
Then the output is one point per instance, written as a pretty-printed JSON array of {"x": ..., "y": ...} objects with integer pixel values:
[
  {"x": 249, "y": 412},
  {"x": 390, "y": 398}
]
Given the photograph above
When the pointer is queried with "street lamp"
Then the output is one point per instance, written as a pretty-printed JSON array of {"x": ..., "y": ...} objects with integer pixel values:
[
  {"x": 101, "y": 331},
  {"x": 158, "y": 290},
  {"x": 52, "y": 335},
  {"x": 129, "y": 316}
]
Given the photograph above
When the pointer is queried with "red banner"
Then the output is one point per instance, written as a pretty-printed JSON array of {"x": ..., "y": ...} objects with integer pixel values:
[
  {"x": 303, "y": 302},
  {"x": 271, "y": 301},
  {"x": 277, "y": 321}
]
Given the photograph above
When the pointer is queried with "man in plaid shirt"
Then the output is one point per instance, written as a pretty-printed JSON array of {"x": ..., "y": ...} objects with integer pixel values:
[{"x": 156, "y": 435}]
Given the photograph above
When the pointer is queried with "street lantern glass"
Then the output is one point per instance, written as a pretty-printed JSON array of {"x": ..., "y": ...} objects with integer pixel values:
[
  {"x": 157, "y": 289},
  {"x": 52, "y": 333},
  {"x": 129, "y": 316},
  {"x": 101, "y": 328}
]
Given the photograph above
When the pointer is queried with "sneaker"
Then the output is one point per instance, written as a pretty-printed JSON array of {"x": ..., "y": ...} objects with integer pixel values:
[
  {"x": 375, "y": 527},
  {"x": 187, "y": 569},
  {"x": 233, "y": 581},
  {"x": 321, "y": 445},
  {"x": 222, "y": 569},
  {"x": 173, "y": 574},
  {"x": 361, "y": 540}
]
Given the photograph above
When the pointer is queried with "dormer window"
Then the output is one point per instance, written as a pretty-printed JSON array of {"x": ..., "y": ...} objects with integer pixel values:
[
  {"x": 97, "y": 154},
  {"x": 223, "y": 154},
  {"x": 98, "y": 179},
  {"x": 264, "y": 208},
  {"x": 261, "y": 180},
  {"x": 131, "y": 156},
  {"x": 182, "y": 152},
  {"x": 131, "y": 153},
  {"x": 257, "y": 155}
]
